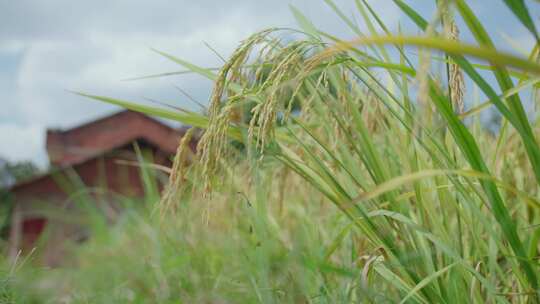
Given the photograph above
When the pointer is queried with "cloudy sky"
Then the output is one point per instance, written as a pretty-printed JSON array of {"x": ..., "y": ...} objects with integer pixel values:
[{"x": 49, "y": 47}]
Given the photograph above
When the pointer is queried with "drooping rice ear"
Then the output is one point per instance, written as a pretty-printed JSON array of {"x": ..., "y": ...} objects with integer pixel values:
[
  {"x": 264, "y": 114},
  {"x": 212, "y": 145},
  {"x": 173, "y": 189},
  {"x": 456, "y": 81}
]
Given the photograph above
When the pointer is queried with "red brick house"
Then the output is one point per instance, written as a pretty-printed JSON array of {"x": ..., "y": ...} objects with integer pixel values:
[{"x": 97, "y": 160}]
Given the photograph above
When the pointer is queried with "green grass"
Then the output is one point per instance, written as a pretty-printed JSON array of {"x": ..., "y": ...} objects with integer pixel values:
[{"x": 375, "y": 191}]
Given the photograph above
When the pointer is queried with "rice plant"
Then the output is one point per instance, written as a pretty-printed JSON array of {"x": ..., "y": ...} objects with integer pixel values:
[{"x": 334, "y": 171}]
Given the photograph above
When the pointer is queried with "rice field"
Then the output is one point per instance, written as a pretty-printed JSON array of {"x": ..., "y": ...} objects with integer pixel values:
[{"x": 335, "y": 171}]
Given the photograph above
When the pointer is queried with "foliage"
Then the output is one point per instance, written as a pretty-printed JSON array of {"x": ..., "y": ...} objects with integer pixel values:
[{"x": 15, "y": 172}]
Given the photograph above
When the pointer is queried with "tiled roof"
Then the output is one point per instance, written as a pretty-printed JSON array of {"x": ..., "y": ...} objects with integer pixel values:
[{"x": 68, "y": 147}]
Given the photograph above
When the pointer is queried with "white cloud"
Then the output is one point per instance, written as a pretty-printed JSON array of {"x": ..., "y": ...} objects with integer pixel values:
[{"x": 23, "y": 143}]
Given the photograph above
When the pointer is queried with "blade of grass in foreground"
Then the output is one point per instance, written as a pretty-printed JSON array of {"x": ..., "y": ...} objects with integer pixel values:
[
  {"x": 457, "y": 128},
  {"x": 469, "y": 148},
  {"x": 449, "y": 46},
  {"x": 520, "y": 122},
  {"x": 519, "y": 8},
  {"x": 515, "y": 114},
  {"x": 190, "y": 118},
  {"x": 202, "y": 71}
]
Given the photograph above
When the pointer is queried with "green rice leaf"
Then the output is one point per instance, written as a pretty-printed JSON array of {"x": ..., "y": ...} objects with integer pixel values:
[
  {"x": 304, "y": 22},
  {"x": 519, "y": 8}
]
